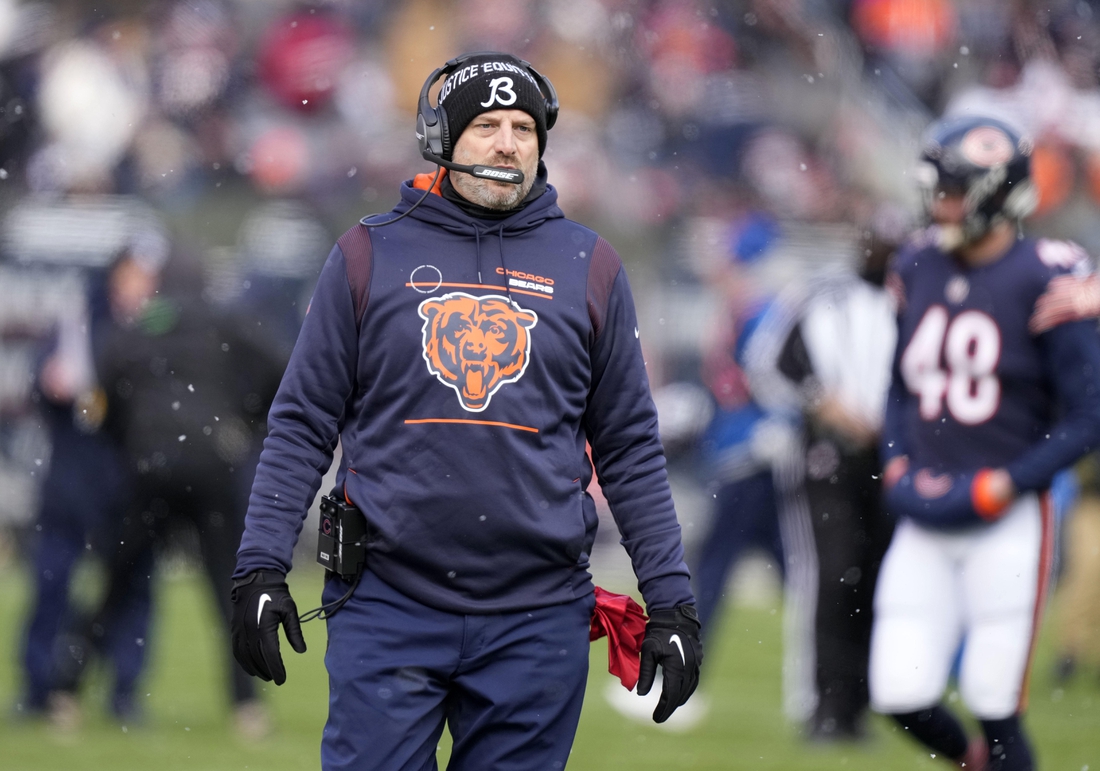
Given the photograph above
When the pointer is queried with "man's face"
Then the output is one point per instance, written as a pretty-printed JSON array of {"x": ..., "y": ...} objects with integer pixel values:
[{"x": 504, "y": 138}]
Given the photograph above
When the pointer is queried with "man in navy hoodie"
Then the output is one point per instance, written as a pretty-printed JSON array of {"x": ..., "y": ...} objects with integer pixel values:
[{"x": 464, "y": 355}]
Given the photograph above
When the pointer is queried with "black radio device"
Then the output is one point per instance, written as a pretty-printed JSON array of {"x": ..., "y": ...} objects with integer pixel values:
[{"x": 341, "y": 538}]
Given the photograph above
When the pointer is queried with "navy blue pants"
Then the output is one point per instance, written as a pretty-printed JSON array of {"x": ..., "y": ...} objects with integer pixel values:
[
  {"x": 509, "y": 686},
  {"x": 82, "y": 495},
  {"x": 744, "y": 516},
  {"x": 58, "y": 645}
]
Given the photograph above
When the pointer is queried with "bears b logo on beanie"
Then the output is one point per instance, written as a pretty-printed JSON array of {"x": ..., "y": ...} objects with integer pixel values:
[{"x": 490, "y": 81}]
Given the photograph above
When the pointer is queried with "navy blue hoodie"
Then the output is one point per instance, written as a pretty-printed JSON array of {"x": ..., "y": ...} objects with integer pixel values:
[{"x": 463, "y": 363}]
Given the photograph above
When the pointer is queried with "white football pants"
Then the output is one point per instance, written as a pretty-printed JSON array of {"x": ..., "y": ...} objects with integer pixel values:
[{"x": 983, "y": 587}]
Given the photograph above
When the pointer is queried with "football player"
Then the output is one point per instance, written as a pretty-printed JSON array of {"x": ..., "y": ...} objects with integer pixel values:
[{"x": 992, "y": 393}]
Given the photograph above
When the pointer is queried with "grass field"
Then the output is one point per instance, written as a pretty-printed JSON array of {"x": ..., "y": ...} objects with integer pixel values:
[{"x": 188, "y": 723}]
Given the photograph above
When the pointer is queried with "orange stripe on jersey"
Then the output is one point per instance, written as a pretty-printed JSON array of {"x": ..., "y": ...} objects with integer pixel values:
[
  {"x": 437, "y": 285},
  {"x": 1046, "y": 561},
  {"x": 474, "y": 423}
]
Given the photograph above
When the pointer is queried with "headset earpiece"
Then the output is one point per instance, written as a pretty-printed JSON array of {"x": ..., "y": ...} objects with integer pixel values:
[
  {"x": 549, "y": 94},
  {"x": 429, "y": 125},
  {"x": 444, "y": 132}
]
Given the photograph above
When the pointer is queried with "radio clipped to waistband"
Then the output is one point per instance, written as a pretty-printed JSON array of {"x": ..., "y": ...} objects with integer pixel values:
[{"x": 341, "y": 538}]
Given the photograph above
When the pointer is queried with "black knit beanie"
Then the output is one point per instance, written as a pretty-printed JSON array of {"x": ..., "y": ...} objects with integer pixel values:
[{"x": 490, "y": 81}]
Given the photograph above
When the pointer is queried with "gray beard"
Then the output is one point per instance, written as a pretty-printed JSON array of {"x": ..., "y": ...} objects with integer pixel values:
[{"x": 491, "y": 194}]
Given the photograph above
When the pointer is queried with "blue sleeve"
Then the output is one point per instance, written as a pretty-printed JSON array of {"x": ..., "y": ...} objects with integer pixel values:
[
  {"x": 1072, "y": 353},
  {"x": 621, "y": 424},
  {"x": 303, "y": 425}
]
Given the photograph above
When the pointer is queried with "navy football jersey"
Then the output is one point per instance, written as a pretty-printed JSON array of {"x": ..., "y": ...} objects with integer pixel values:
[{"x": 973, "y": 385}]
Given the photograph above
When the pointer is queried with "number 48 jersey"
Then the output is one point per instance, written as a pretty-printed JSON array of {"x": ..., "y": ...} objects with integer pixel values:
[{"x": 997, "y": 365}]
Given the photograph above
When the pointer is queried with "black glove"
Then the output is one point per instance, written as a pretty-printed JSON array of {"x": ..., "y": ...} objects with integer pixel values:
[
  {"x": 671, "y": 640},
  {"x": 262, "y": 601}
]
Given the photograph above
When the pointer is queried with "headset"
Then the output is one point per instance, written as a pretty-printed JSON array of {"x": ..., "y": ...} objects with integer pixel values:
[{"x": 435, "y": 137}]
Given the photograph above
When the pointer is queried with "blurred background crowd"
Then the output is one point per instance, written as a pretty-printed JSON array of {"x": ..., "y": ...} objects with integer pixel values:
[{"x": 206, "y": 153}]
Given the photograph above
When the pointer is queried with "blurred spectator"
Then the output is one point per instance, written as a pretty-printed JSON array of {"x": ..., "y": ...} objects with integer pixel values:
[
  {"x": 834, "y": 366},
  {"x": 91, "y": 100},
  {"x": 70, "y": 244},
  {"x": 735, "y": 445},
  {"x": 83, "y": 489},
  {"x": 301, "y": 56},
  {"x": 280, "y": 251},
  {"x": 22, "y": 34},
  {"x": 187, "y": 398},
  {"x": 740, "y": 446},
  {"x": 909, "y": 38}
]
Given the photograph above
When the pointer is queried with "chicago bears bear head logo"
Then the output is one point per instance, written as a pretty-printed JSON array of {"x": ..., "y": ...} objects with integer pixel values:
[{"x": 476, "y": 344}]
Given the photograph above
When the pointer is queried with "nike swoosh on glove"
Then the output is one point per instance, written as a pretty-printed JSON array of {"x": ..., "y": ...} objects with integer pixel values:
[
  {"x": 944, "y": 501},
  {"x": 261, "y": 602},
  {"x": 671, "y": 641}
]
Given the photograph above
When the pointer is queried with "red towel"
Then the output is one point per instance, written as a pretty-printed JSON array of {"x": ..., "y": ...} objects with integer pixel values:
[{"x": 623, "y": 621}]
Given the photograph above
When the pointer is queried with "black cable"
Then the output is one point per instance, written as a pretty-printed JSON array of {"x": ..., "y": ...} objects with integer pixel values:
[
  {"x": 427, "y": 192},
  {"x": 326, "y": 611}
]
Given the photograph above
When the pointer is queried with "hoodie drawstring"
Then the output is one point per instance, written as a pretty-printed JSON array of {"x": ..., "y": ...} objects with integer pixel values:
[
  {"x": 503, "y": 267},
  {"x": 477, "y": 239}
]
